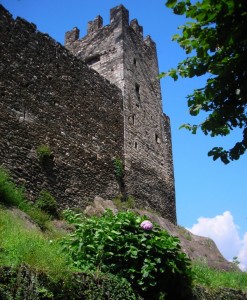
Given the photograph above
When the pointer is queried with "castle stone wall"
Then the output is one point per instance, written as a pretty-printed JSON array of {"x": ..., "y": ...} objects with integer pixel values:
[
  {"x": 98, "y": 101},
  {"x": 50, "y": 97}
]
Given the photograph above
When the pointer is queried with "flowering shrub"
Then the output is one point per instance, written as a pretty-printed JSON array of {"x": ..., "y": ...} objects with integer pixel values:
[{"x": 151, "y": 260}]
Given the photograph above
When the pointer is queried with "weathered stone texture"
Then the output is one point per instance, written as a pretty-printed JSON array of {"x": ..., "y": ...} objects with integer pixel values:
[
  {"x": 50, "y": 97},
  {"x": 120, "y": 54}
]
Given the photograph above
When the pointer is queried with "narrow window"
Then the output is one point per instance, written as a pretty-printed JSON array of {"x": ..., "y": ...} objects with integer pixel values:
[
  {"x": 157, "y": 139},
  {"x": 134, "y": 61},
  {"x": 133, "y": 119},
  {"x": 136, "y": 145},
  {"x": 137, "y": 87},
  {"x": 137, "y": 90}
]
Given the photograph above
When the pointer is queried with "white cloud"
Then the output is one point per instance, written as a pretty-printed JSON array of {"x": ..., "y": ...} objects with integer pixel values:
[
  {"x": 225, "y": 233},
  {"x": 242, "y": 256}
]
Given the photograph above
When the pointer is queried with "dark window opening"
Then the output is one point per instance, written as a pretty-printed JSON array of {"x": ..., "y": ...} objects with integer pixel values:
[
  {"x": 137, "y": 90},
  {"x": 157, "y": 139},
  {"x": 134, "y": 61},
  {"x": 136, "y": 145},
  {"x": 132, "y": 119},
  {"x": 92, "y": 60}
]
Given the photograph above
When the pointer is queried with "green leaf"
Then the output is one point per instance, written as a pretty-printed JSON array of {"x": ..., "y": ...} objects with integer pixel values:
[
  {"x": 110, "y": 238},
  {"x": 173, "y": 73},
  {"x": 201, "y": 16},
  {"x": 175, "y": 37},
  {"x": 171, "y": 3},
  {"x": 115, "y": 232},
  {"x": 186, "y": 126},
  {"x": 180, "y": 8},
  {"x": 145, "y": 274}
]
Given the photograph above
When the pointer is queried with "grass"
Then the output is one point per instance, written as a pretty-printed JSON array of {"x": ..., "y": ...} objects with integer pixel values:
[
  {"x": 213, "y": 279},
  {"x": 20, "y": 243},
  {"x": 41, "y": 250},
  {"x": 11, "y": 195}
]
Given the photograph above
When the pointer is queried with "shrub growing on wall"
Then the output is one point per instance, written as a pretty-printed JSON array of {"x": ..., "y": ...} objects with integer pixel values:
[
  {"x": 148, "y": 257},
  {"x": 119, "y": 174},
  {"x": 47, "y": 203},
  {"x": 43, "y": 153}
]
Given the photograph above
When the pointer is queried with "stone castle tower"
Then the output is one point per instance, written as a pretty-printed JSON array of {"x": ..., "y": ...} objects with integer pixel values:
[{"x": 119, "y": 52}]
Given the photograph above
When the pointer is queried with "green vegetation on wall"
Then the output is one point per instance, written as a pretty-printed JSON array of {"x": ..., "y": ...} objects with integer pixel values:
[{"x": 44, "y": 153}]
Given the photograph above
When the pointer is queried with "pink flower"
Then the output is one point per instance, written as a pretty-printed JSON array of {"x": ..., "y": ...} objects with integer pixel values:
[{"x": 146, "y": 225}]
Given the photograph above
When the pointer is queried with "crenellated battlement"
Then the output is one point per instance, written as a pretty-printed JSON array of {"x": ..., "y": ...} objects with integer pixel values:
[
  {"x": 119, "y": 19},
  {"x": 119, "y": 16},
  {"x": 94, "y": 25},
  {"x": 72, "y": 35},
  {"x": 149, "y": 42},
  {"x": 137, "y": 28}
]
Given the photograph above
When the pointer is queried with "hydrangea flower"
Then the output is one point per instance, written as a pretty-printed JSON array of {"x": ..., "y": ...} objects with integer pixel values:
[{"x": 146, "y": 225}]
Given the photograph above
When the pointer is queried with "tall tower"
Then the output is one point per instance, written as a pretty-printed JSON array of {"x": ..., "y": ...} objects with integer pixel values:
[{"x": 119, "y": 52}]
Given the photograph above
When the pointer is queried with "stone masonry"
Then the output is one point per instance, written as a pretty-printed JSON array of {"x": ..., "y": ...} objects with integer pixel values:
[
  {"x": 49, "y": 97},
  {"x": 120, "y": 53},
  {"x": 95, "y": 101}
]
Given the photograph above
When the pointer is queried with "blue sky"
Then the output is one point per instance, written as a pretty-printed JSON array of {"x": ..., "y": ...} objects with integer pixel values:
[{"x": 204, "y": 188}]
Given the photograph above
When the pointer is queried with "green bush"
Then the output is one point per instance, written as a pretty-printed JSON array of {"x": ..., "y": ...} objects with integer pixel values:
[
  {"x": 9, "y": 193},
  {"x": 151, "y": 260},
  {"x": 95, "y": 286},
  {"x": 22, "y": 282},
  {"x": 44, "y": 153},
  {"x": 47, "y": 203},
  {"x": 14, "y": 196}
]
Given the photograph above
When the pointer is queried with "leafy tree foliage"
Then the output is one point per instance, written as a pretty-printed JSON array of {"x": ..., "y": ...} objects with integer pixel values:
[{"x": 216, "y": 40}]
